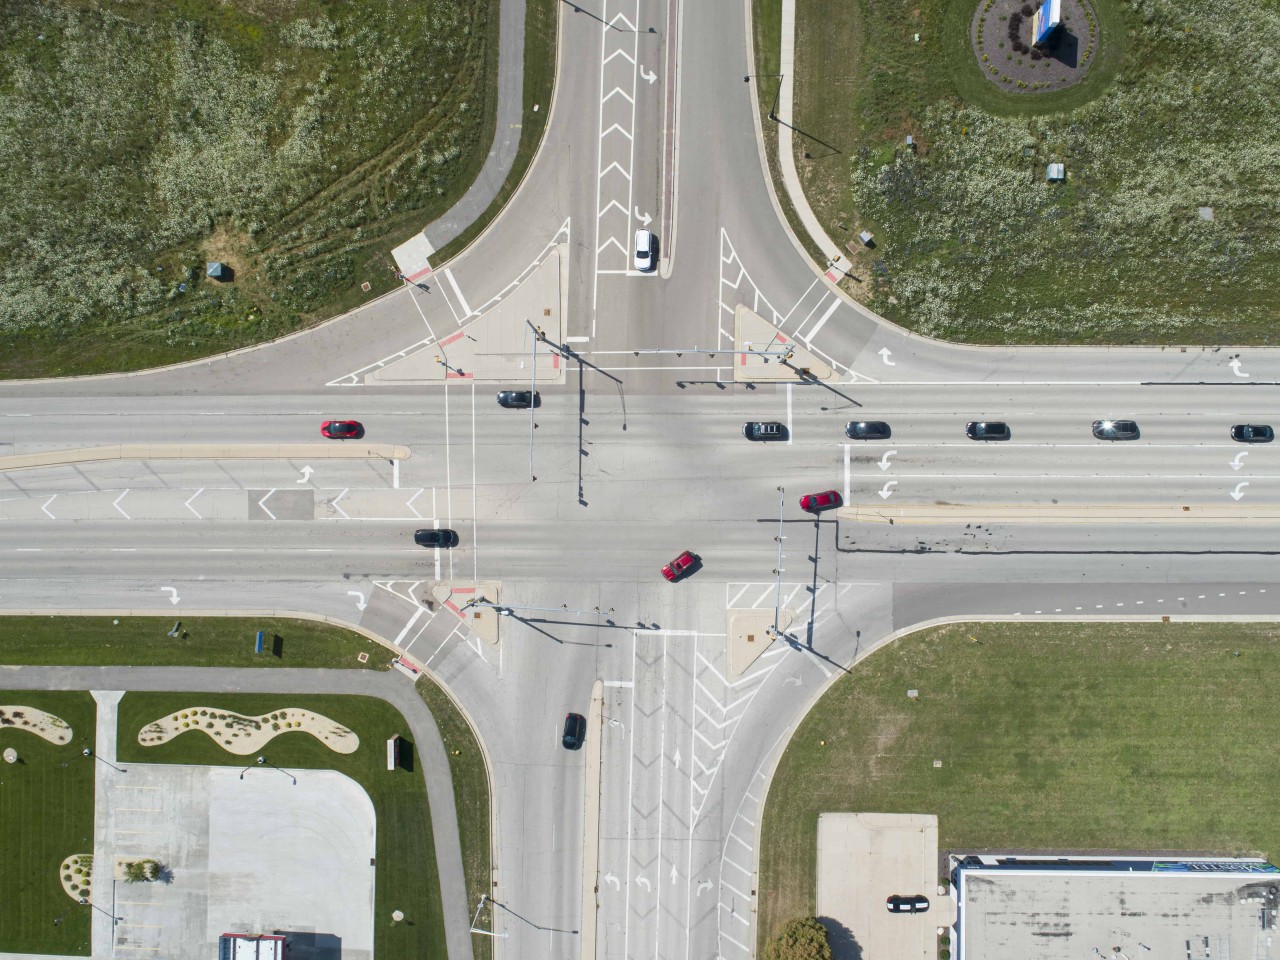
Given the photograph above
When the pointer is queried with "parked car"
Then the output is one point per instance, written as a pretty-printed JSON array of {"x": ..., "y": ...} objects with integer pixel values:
[
  {"x": 764, "y": 430},
  {"x": 817, "y": 502},
  {"x": 1115, "y": 430},
  {"x": 987, "y": 430},
  {"x": 1252, "y": 433},
  {"x": 435, "y": 538},
  {"x": 678, "y": 567},
  {"x": 575, "y": 731},
  {"x": 912, "y": 904},
  {"x": 518, "y": 399},
  {"x": 646, "y": 250},
  {"x": 867, "y": 430},
  {"x": 342, "y": 429}
]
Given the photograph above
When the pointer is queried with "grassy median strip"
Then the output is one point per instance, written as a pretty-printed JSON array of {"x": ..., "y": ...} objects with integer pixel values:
[
  {"x": 46, "y": 816},
  {"x": 199, "y": 642},
  {"x": 406, "y": 877},
  {"x": 1111, "y": 736},
  {"x": 471, "y": 795}
]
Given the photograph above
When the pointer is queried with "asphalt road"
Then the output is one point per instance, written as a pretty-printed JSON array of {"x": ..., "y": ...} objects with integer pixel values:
[{"x": 639, "y": 459}]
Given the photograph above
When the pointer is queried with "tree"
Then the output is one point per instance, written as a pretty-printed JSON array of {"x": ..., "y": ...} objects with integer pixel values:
[
  {"x": 801, "y": 939},
  {"x": 142, "y": 871}
]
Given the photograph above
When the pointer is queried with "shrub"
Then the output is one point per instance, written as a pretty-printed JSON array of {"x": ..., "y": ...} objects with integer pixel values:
[
  {"x": 1026, "y": 9},
  {"x": 802, "y": 939}
]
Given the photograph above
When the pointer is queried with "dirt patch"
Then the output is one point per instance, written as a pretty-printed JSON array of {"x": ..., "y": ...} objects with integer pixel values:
[{"x": 231, "y": 246}]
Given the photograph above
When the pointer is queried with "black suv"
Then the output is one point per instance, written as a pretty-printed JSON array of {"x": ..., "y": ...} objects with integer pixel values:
[
  {"x": 764, "y": 430},
  {"x": 517, "y": 399},
  {"x": 867, "y": 430},
  {"x": 987, "y": 430},
  {"x": 575, "y": 731}
]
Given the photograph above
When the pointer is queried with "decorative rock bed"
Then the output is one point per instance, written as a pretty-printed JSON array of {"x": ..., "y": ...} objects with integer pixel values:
[
  {"x": 76, "y": 874},
  {"x": 246, "y": 735},
  {"x": 46, "y": 725}
]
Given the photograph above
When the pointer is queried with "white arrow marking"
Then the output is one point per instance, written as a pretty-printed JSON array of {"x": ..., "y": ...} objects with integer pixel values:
[
  {"x": 1238, "y": 492},
  {"x": 644, "y": 881},
  {"x": 676, "y": 758},
  {"x": 306, "y": 475},
  {"x": 193, "y": 509},
  {"x": 886, "y": 493},
  {"x": 173, "y": 598},
  {"x": 1234, "y": 363},
  {"x": 45, "y": 506},
  {"x": 1237, "y": 463},
  {"x": 409, "y": 503},
  {"x": 263, "y": 504},
  {"x": 885, "y": 354},
  {"x": 360, "y": 601},
  {"x": 884, "y": 461},
  {"x": 116, "y": 504},
  {"x": 673, "y": 873},
  {"x": 643, "y": 217},
  {"x": 338, "y": 508},
  {"x": 646, "y": 75},
  {"x": 610, "y": 878},
  {"x": 703, "y": 886}
]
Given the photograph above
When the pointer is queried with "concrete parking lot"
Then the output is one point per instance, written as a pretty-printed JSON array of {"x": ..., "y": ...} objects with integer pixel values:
[{"x": 253, "y": 853}]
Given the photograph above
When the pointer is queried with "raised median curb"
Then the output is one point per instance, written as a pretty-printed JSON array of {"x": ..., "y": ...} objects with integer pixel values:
[
  {"x": 952, "y": 513},
  {"x": 207, "y": 451}
]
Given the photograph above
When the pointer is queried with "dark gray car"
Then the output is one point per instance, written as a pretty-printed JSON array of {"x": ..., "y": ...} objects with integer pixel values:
[
  {"x": 435, "y": 538},
  {"x": 867, "y": 430},
  {"x": 1115, "y": 430},
  {"x": 1252, "y": 433},
  {"x": 517, "y": 399},
  {"x": 987, "y": 430}
]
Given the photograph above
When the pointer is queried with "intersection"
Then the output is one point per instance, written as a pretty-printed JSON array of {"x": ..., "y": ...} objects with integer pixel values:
[{"x": 638, "y": 454}]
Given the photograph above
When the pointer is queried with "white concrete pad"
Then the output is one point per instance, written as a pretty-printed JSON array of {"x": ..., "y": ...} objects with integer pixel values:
[{"x": 864, "y": 858}]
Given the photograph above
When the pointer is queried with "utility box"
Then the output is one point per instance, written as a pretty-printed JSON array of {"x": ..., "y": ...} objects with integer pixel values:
[{"x": 867, "y": 237}]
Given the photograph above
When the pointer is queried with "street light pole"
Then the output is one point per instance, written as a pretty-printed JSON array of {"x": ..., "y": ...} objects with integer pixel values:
[
  {"x": 89, "y": 753},
  {"x": 773, "y": 110}
]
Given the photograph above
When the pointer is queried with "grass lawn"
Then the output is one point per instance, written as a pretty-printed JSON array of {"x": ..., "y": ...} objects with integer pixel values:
[
  {"x": 46, "y": 815},
  {"x": 471, "y": 795},
  {"x": 973, "y": 245},
  {"x": 296, "y": 142},
  {"x": 1051, "y": 736},
  {"x": 205, "y": 642},
  {"x": 406, "y": 875}
]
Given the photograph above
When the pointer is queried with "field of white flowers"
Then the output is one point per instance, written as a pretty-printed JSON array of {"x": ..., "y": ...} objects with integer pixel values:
[
  {"x": 138, "y": 139},
  {"x": 975, "y": 245}
]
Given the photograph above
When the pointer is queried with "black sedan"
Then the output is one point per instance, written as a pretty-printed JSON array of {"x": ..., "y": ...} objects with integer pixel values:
[
  {"x": 1252, "y": 433},
  {"x": 435, "y": 538},
  {"x": 867, "y": 430}
]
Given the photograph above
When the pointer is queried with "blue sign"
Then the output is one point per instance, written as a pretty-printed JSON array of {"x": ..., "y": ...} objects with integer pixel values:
[{"x": 1048, "y": 17}]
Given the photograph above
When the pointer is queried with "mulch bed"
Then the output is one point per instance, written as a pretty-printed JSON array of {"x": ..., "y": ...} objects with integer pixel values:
[{"x": 1062, "y": 63}]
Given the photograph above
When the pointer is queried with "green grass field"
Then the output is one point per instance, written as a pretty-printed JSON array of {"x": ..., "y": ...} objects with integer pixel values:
[
  {"x": 1051, "y": 736},
  {"x": 973, "y": 245},
  {"x": 46, "y": 815},
  {"x": 206, "y": 642},
  {"x": 406, "y": 875},
  {"x": 471, "y": 795},
  {"x": 297, "y": 142}
]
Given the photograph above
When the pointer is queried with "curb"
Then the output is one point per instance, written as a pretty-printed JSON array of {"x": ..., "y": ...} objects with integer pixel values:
[{"x": 591, "y": 822}]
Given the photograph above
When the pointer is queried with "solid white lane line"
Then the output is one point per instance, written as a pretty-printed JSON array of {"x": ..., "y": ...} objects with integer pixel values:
[
  {"x": 846, "y": 473},
  {"x": 466, "y": 308},
  {"x": 790, "y": 434},
  {"x": 823, "y": 319}
]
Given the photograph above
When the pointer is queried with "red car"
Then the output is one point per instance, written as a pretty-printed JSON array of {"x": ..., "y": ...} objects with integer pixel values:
[
  {"x": 817, "y": 502},
  {"x": 341, "y": 429},
  {"x": 678, "y": 567}
]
